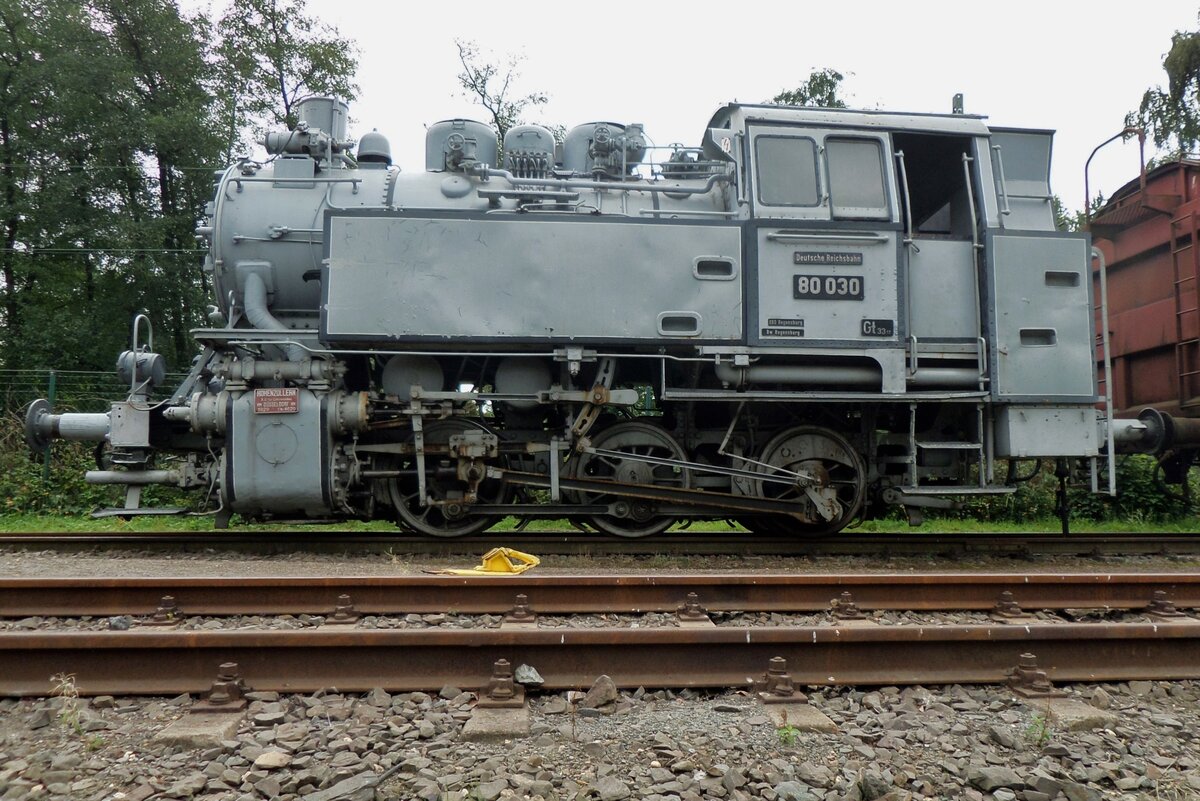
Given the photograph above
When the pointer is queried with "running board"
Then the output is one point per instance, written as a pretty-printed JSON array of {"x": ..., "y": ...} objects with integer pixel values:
[
  {"x": 139, "y": 512},
  {"x": 956, "y": 490}
]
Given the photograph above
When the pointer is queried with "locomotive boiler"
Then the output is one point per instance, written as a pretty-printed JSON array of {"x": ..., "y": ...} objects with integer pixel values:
[{"x": 810, "y": 317}]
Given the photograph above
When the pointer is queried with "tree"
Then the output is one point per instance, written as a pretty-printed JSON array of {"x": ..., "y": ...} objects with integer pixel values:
[
  {"x": 173, "y": 124},
  {"x": 491, "y": 86},
  {"x": 63, "y": 136},
  {"x": 1172, "y": 116},
  {"x": 271, "y": 55},
  {"x": 113, "y": 115},
  {"x": 820, "y": 89}
]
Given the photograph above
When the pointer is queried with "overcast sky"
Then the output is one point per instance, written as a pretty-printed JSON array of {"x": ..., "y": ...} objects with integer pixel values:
[{"x": 1073, "y": 67}]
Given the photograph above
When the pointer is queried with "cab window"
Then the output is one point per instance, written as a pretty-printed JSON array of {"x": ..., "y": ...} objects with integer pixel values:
[
  {"x": 857, "y": 186},
  {"x": 787, "y": 171}
]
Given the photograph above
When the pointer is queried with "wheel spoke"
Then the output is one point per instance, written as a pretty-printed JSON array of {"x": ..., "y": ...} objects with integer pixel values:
[
  {"x": 822, "y": 453},
  {"x": 431, "y": 520},
  {"x": 638, "y": 439}
]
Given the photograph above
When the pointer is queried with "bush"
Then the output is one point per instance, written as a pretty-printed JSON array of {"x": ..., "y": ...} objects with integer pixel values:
[
  {"x": 1141, "y": 497},
  {"x": 23, "y": 487}
]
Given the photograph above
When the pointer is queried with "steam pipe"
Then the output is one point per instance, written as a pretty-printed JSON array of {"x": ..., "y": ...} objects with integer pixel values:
[{"x": 254, "y": 300}]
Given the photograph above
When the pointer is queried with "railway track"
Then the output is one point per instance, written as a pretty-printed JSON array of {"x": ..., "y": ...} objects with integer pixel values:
[
  {"x": 158, "y": 662},
  {"x": 576, "y": 543},
  {"x": 591, "y": 594},
  {"x": 694, "y": 653}
]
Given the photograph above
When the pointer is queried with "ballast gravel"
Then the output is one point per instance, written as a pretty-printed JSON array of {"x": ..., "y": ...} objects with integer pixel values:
[
  {"x": 114, "y": 563},
  {"x": 974, "y": 743},
  {"x": 593, "y": 621}
]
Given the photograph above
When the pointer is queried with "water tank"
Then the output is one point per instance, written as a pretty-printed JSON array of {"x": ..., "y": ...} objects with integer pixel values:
[{"x": 451, "y": 143}]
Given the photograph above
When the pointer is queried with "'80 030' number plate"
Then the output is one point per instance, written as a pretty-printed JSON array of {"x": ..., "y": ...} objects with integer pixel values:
[{"x": 827, "y": 287}]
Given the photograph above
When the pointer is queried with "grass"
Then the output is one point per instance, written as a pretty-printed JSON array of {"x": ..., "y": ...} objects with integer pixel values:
[
  {"x": 49, "y": 523},
  {"x": 63, "y": 685}
]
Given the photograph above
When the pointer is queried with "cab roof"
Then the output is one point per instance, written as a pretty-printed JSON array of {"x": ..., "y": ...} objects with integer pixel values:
[{"x": 737, "y": 115}]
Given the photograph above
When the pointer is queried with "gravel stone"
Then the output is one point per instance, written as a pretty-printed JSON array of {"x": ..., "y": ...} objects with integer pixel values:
[
  {"x": 612, "y": 789},
  {"x": 603, "y": 691},
  {"x": 272, "y": 759},
  {"x": 793, "y": 791},
  {"x": 527, "y": 674},
  {"x": 989, "y": 778},
  {"x": 490, "y": 791}
]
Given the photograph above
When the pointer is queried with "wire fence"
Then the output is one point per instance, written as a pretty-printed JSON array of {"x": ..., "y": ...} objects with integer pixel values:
[{"x": 68, "y": 390}]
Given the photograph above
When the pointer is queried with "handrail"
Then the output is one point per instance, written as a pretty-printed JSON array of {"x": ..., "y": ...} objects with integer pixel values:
[
  {"x": 975, "y": 245},
  {"x": 818, "y": 236},
  {"x": 574, "y": 183},
  {"x": 1003, "y": 181},
  {"x": 908, "y": 226},
  {"x": 1108, "y": 397},
  {"x": 966, "y": 161},
  {"x": 137, "y": 325}
]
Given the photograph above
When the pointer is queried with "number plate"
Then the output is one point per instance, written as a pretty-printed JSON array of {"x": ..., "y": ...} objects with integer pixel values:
[{"x": 827, "y": 287}]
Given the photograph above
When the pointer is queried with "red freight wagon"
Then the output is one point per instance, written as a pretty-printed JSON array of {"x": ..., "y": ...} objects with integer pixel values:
[{"x": 1148, "y": 234}]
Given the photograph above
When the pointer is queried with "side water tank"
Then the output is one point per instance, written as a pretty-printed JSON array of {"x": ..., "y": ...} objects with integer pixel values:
[
  {"x": 450, "y": 144},
  {"x": 529, "y": 151}
]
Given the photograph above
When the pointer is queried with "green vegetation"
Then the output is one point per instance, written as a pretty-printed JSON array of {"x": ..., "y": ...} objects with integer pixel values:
[
  {"x": 1040, "y": 729},
  {"x": 1171, "y": 116},
  {"x": 65, "y": 501},
  {"x": 113, "y": 116},
  {"x": 822, "y": 88}
]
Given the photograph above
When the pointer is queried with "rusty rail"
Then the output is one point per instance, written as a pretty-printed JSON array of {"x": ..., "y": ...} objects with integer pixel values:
[
  {"x": 567, "y": 594},
  {"x": 573, "y": 542},
  {"x": 164, "y": 662}
]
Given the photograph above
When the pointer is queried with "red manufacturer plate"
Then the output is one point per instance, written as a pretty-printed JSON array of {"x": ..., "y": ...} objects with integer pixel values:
[{"x": 284, "y": 400}]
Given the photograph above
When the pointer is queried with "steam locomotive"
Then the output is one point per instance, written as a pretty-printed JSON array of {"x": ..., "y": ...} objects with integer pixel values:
[{"x": 814, "y": 315}]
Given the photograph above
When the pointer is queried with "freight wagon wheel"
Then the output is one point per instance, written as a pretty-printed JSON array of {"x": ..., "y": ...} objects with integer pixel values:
[
  {"x": 452, "y": 519},
  {"x": 824, "y": 454},
  {"x": 636, "y": 439}
]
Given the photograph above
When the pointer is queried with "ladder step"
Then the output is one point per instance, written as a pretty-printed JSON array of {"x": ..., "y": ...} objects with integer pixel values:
[
  {"x": 958, "y": 490},
  {"x": 946, "y": 446}
]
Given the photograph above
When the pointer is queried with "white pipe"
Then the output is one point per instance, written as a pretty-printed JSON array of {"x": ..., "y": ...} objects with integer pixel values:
[
  {"x": 136, "y": 477},
  {"x": 76, "y": 426},
  {"x": 848, "y": 376}
]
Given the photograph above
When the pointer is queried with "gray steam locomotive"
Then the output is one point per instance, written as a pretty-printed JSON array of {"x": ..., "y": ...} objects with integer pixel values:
[{"x": 814, "y": 315}]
